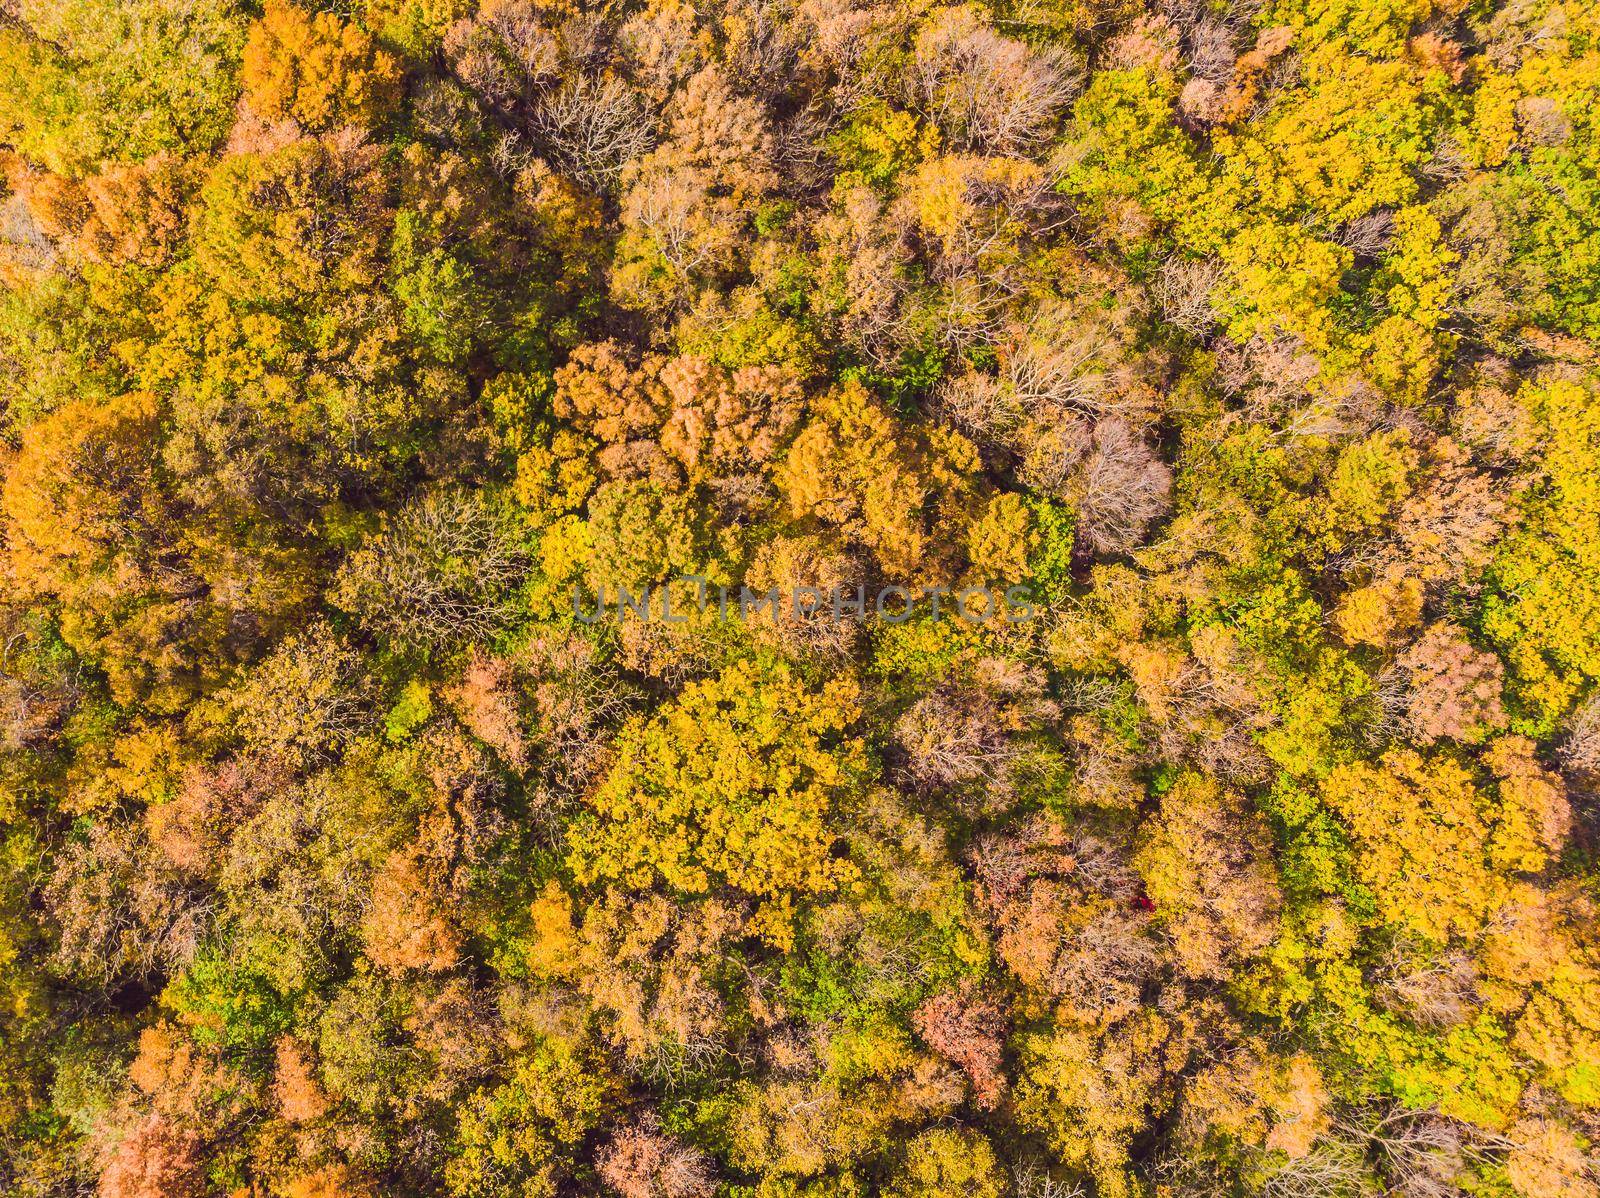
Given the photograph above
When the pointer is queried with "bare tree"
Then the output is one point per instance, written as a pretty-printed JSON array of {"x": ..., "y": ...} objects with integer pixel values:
[
  {"x": 1420, "y": 1153},
  {"x": 1030, "y": 1179},
  {"x": 592, "y": 128},
  {"x": 1334, "y": 1167},
  {"x": 1065, "y": 363},
  {"x": 1367, "y": 236},
  {"x": 673, "y": 208},
  {"x": 1212, "y": 49},
  {"x": 966, "y": 731},
  {"x": 27, "y": 712},
  {"x": 1435, "y": 989},
  {"x": 575, "y": 696},
  {"x": 505, "y": 56},
  {"x": 1581, "y": 749},
  {"x": 642, "y": 1161},
  {"x": 121, "y": 911},
  {"x": 765, "y": 43},
  {"x": 862, "y": 250},
  {"x": 1076, "y": 357},
  {"x": 1184, "y": 288},
  {"x": 441, "y": 572},
  {"x": 979, "y": 256},
  {"x": 1122, "y": 489},
  {"x": 22, "y": 240},
  {"x": 988, "y": 92},
  {"x": 1059, "y": 362},
  {"x": 800, "y": 153},
  {"x": 950, "y": 742}
]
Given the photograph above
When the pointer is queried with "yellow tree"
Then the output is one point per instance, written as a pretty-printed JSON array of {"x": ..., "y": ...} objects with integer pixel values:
[
  {"x": 317, "y": 70},
  {"x": 739, "y": 784},
  {"x": 1433, "y": 846}
]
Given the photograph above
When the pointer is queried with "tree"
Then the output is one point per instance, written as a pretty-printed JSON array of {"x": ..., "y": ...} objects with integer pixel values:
[
  {"x": 1455, "y": 689},
  {"x": 300, "y": 1096},
  {"x": 334, "y": 1181},
  {"x": 641, "y": 1162},
  {"x": 126, "y": 214},
  {"x": 1253, "y": 1098},
  {"x": 896, "y": 493},
  {"x": 1377, "y": 613},
  {"x": 642, "y": 534},
  {"x": 404, "y": 928},
  {"x": 1540, "y": 972},
  {"x": 723, "y": 421},
  {"x": 599, "y": 391},
  {"x": 1546, "y": 1158},
  {"x": 442, "y": 571},
  {"x": 317, "y": 70},
  {"x": 685, "y": 203},
  {"x": 970, "y": 731},
  {"x": 1448, "y": 526},
  {"x": 1206, "y": 867},
  {"x": 96, "y": 80},
  {"x": 517, "y": 1139},
  {"x": 355, "y": 357},
  {"x": 967, "y": 1030},
  {"x": 1429, "y": 843},
  {"x": 304, "y": 702},
  {"x": 92, "y": 528},
  {"x": 156, "y": 1160},
  {"x": 737, "y": 784},
  {"x": 652, "y": 975},
  {"x": 191, "y": 828},
  {"x": 487, "y": 705},
  {"x": 947, "y": 1163},
  {"x": 1543, "y": 577},
  {"x": 305, "y": 219},
  {"x": 1089, "y": 1091},
  {"x": 1061, "y": 903}
]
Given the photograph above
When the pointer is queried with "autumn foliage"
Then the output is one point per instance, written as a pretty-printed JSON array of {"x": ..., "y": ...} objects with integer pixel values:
[{"x": 492, "y": 702}]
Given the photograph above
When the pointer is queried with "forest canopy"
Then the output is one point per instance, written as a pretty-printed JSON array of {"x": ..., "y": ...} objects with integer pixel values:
[{"x": 362, "y": 365}]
